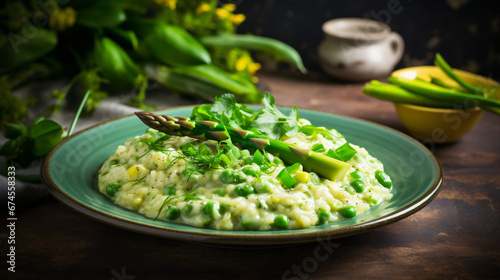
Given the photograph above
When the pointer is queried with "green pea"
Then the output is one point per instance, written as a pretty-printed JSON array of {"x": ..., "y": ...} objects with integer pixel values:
[
  {"x": 313, "y": 177},
  {"x": 244, "y": 190},
  {"x": 358, "y": 174},
  {"x": 370, "y": 200},
  {"x": 277, "y": 161},
  {"x": 250, "y": 171},
  {"x": 281, "y": 222},
  {"x": 358, "y": 186},
  {"x": 172, "y": 213},
  {"x": 383, "y": 179},
  {"x": 220, "y": 192},
  {"x": 187, "y": 210},
  {"x": 263, "y": 187},
  {"x": 349, "y": 189},
  {"x": 348, "y": 211},
  {"x": 209, "y": 209},
  {"x": 247, "y": 160},
  {"x": 251, "y": 222},
  {"x": 111, "y": 189},
  {"x": 239, "y": 177},
  {"x": 323, "y": 216},
  {"x": 226, "y": 177},
  {"x": 140, "y": 145},
  {"x": 223, "y": 208},
  {"x": 194, "y": 178},
  {"x": 245, "y": 153}
]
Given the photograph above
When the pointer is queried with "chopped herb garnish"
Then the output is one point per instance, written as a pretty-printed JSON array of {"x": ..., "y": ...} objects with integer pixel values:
[
  {"x": 113, "y": 162},
  {"x": 287, "y": 179},
  {"x": 343, "y": 153},
  {"x": 273, "y": 123},
  {"x": 319, "y": 148}
]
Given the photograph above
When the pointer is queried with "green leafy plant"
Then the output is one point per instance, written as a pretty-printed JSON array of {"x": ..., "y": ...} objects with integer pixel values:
[
  {"x": 108, "y": 47},
  {"x": 28, "y": 143}
]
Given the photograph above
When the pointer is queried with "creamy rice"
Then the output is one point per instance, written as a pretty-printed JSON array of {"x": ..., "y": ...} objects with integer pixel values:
[{"x": 153, "y": 183}]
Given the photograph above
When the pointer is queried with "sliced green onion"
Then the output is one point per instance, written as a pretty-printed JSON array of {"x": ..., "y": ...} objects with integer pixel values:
[
  {"x": 319, "y": 148},
  {"x": 236, "y": 151},
  {"x": 345, "y": 152},
  {"x": 286, "y": 178},
  {"x": 226, "y": 160},
  {"x": 293, "y": 167},
  {"x": 258, "y": 158},
  {"x": 331, "y": 153},
  {"x": 232, "y": 157}
]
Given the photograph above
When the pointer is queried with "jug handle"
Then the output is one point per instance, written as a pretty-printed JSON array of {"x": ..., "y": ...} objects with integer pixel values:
[{"x": 397, "y": 45}]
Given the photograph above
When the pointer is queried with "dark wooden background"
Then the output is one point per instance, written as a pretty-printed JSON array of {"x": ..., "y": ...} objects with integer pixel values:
[
  {"x": 466, "y": 33},
  {"x": 457, "y": 236}
]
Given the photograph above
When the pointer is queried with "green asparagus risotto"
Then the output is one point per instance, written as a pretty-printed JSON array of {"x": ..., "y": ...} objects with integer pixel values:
[{"x": 206, "y": 180}]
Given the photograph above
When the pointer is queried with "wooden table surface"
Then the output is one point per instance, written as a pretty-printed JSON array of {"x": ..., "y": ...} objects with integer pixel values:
[{"x": 457, "y": 236}]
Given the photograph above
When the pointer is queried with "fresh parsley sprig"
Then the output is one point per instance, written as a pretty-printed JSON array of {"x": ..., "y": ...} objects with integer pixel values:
[{"x": 268, "y": 121}]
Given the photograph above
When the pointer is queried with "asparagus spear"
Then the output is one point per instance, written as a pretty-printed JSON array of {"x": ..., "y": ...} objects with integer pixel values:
[{"x": 325, "y": 166}]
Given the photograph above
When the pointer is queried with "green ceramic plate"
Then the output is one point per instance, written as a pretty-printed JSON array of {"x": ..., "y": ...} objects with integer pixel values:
[{"x": 69, "y": 173}]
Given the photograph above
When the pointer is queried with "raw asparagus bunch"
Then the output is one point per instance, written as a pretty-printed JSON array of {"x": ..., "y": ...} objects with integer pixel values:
[{"x": 325, "y": 166}]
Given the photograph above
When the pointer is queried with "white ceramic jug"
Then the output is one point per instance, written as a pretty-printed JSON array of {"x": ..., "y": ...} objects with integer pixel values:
[{"x": 356, "y": 49}]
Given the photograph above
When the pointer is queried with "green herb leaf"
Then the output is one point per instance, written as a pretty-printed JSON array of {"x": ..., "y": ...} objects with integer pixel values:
[
  {"x": 273, "y": 123},
  {"x": 46, "y": 134},
  {"x": 230, "y": 113},
  {"x": 13, "y": 130}
]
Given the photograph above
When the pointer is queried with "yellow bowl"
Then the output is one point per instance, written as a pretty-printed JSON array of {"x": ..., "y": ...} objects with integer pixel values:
[
  {"x": 434, "y": 124},
  {"x": 437, "y": 125}
]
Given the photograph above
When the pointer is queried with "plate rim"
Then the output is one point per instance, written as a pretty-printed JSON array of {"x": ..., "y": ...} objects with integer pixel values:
[{"x": 225, "y": 237}]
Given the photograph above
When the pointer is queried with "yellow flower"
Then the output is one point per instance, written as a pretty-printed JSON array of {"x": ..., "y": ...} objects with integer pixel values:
[
  {"x": 242, "y": 63},
  {"x": 169, "y": 3},
  {"x": 237, "y": 19},
  {"x": 253, "y": 67},
  {"x": 255, "y": 79},
  {"x": 203, "y": 8},
  {"x": 63, "y": 19},
  {"x": 221, "y": 13},
  {"x": 229, "y": 7}
]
